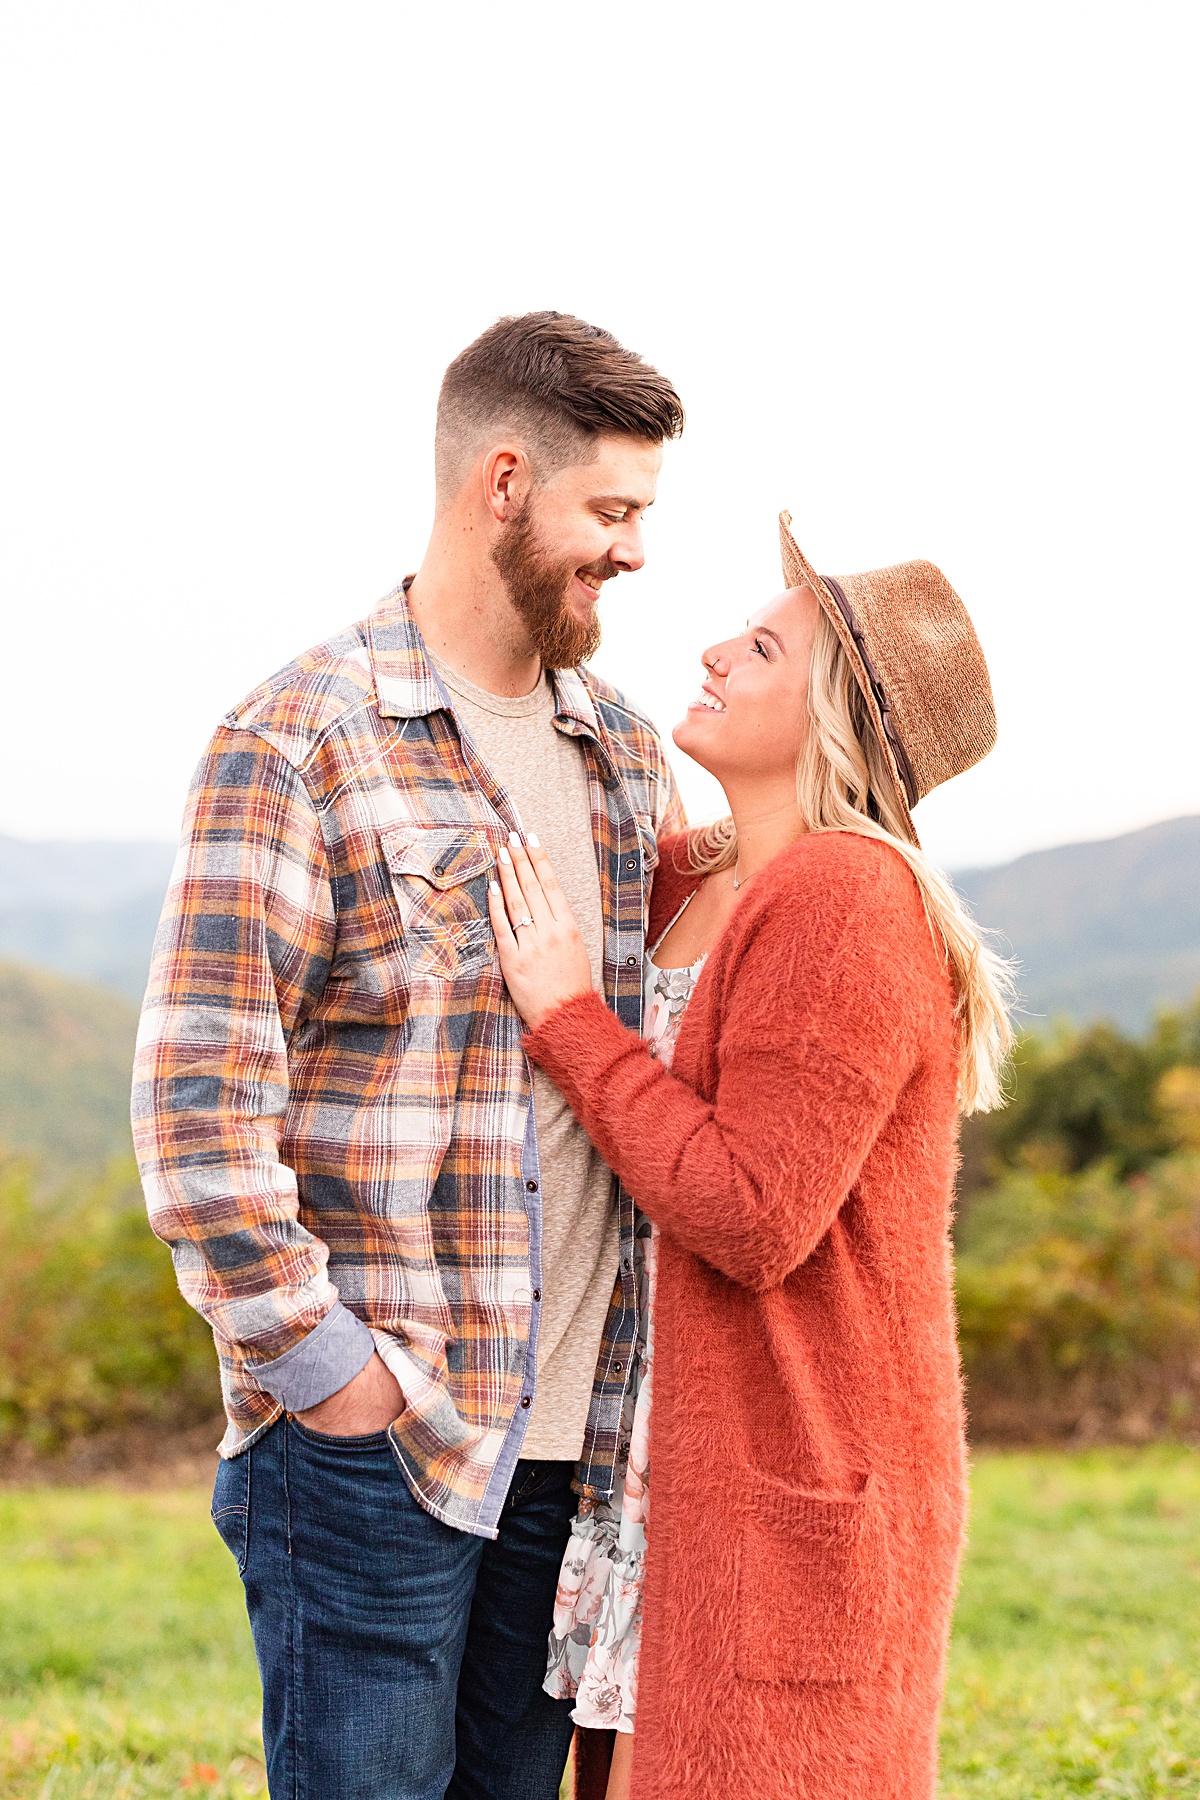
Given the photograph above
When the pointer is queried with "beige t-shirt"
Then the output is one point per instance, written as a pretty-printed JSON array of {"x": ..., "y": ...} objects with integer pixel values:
[{"x": 543, "y": 770}]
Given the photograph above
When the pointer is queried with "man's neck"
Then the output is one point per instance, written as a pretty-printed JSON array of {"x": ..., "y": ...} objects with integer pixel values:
[{"x": 463, "y": 611}]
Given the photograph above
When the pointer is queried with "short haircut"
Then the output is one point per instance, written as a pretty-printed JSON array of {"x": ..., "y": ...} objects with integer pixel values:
[{"x": 555, "y": 384}]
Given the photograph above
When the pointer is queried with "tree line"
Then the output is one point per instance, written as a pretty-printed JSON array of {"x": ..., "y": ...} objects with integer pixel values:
[{"x": 1077, "y": 1240}]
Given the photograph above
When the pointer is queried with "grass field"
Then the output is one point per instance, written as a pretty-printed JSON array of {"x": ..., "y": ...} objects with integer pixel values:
[
  {"x": 126, "y": 1670},
  {"x": 1075, "y": 1665}
]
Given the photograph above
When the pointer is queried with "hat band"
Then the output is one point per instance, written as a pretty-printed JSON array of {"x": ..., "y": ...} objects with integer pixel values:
[{"x": 912, "y": 791}]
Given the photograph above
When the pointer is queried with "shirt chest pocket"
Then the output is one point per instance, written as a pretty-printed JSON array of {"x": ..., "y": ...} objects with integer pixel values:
[{"x": 440, "y": 878}]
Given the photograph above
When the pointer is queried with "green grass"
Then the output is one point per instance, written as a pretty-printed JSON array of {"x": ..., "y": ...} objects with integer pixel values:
[
  {"x": 126, "y": 1667},
  {"x": 1075, "y": 1667},
  {"x": 125, "y": 1659}
]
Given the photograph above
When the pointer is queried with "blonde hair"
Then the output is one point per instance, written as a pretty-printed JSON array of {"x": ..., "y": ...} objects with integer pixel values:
[{"x": 844, "y": 783}]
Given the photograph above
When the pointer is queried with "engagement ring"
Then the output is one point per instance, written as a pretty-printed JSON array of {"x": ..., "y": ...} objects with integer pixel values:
[{"x": 525, "y": 921}]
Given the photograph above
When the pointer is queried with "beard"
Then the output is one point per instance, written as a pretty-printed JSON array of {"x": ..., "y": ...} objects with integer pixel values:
[{"x": 537, "y": 584}]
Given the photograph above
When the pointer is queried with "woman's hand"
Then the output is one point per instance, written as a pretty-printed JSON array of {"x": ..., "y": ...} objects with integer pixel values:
[{"x": 542, "y": 953}]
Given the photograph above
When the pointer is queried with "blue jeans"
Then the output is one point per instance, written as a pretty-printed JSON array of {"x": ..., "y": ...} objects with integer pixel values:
[{"x": 401, "y": 1659}]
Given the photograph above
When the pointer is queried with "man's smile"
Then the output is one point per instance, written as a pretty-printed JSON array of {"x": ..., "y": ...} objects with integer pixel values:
[{"x": 590, "y": 583}]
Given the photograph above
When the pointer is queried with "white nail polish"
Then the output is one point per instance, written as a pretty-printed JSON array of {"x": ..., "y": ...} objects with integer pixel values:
[
  {"x": 514, "y": 837},
  {"x": 534, "y": 840},
  {"x": 493, "y": 887},
  {"x": 504, "y": 856}
]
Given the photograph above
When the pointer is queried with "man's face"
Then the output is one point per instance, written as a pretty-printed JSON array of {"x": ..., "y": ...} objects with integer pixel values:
[{"x": 571, "y": 534}]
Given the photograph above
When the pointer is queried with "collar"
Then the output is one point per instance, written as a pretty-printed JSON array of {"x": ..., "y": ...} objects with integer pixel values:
[{"x": 407, "y": 685}]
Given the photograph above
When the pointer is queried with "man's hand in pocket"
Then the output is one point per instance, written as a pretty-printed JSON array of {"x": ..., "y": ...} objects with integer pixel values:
[{"x": 367, "y": 1403}]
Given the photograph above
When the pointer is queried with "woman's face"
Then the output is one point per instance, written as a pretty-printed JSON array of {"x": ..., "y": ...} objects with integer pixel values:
[{"x": 750, "y": 718}]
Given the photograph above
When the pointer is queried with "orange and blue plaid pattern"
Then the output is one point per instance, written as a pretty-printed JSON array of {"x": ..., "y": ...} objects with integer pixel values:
[{"x": 331, "y": 1102}]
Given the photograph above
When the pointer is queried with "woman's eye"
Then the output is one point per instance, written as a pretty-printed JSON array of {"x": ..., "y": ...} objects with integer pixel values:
[{"x": 758, "y": 645}]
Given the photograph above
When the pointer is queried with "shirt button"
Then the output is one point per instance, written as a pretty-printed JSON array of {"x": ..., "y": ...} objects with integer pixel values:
[
  {"x": 532, "y": 1186},
  {"x": 527, "y": 1400},
  {"x": 617, "y": 1367},
  {"x": 631, "y": 864},
  {"x": 627, "y": 1264},
  {"x": 537, "y": 1293},
  {"x": 631, "y": 962}
]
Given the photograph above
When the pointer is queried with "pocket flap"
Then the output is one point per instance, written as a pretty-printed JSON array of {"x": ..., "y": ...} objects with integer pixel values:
[
  {"x": 827, "y": 1517},
  {"x": 444, "y": 856}
]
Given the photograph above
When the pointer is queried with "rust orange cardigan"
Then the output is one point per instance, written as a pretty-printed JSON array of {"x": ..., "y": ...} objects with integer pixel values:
[{"x": 807, "y": 1448}]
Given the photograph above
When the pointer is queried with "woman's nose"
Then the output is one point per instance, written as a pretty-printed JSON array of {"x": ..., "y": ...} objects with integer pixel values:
[{"x": 716, "y": 660}]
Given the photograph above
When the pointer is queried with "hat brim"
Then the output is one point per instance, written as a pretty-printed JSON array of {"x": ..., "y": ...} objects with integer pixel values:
[{"x": 799, "y": 572}]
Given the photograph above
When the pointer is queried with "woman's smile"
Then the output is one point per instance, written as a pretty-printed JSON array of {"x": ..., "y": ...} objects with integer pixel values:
[{"x": 707, "y": 700}]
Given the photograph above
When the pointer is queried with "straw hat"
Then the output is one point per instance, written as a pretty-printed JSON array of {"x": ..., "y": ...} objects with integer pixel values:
[{"x": 918, "y": 662}]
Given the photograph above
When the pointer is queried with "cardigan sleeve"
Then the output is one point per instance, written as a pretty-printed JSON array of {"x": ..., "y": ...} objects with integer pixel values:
[{"x": 817, "y": 1038}]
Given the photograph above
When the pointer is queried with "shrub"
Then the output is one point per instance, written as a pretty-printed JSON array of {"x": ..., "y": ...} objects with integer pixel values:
[
  {"x": 1078, "y": 1098},
  {"x": 93, "y": 1332},
  {"x": 1079, "y": 1303},
  {"x": 1094, "y": 1095}
]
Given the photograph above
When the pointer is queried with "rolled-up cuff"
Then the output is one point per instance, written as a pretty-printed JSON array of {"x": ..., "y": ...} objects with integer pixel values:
[{"x": 331, "y": 1355}]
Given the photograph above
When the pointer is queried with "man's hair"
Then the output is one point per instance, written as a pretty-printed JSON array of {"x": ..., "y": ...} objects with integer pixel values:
[{"x": 554, "y": 383}]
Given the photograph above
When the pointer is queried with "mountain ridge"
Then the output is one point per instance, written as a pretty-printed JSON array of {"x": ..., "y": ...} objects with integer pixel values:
[
  {"x": 66, "y": 1050},
  {"x": 1105, "y": 928},
  {"x": 86, "y": 909},
  {"x": 1109, "y": 928}
]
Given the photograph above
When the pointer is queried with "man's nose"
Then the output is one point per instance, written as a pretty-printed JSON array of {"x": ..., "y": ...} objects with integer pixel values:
[{"x": 627, "y": 553}]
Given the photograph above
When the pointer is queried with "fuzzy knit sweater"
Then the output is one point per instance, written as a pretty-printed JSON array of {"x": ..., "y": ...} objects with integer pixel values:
[{"x": 808, "y": 1459}]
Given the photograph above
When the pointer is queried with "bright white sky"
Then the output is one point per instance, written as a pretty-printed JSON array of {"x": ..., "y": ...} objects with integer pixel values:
[{"x": 923, "y": 273}]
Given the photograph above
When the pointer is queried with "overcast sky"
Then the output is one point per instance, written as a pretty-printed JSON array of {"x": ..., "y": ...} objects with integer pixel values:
[{"x": 923, "y": 274}]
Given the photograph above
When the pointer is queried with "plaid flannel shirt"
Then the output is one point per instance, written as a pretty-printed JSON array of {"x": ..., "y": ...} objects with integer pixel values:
[{"x": 331, "y": 1104}]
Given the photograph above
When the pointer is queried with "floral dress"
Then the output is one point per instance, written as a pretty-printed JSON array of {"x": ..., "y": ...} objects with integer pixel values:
[{"x": 597, "y": 1629}]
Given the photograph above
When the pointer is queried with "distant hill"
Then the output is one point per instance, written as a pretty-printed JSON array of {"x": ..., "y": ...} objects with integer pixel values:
[
  {"x": 1109, "y": 929},
  {"x": 66, "y": 1049},
  {"x": 1103, "y": 930},
  {"x": 86, "y": 909}
]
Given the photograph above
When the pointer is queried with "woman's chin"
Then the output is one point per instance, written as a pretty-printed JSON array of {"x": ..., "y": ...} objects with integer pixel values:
[{"x": 694, "y": 737}]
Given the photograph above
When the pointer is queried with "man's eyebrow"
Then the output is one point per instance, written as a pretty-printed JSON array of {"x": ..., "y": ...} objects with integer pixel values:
[{"x": 621, "y": 500}]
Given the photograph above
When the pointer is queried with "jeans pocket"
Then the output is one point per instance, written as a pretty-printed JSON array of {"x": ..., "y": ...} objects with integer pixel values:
[
  {"x": 535, "y": 1478},
  {"x": 371, "y": 1440},
  {"x": 814, "y": 1580},
  {"x": 231, "y": 1506}
]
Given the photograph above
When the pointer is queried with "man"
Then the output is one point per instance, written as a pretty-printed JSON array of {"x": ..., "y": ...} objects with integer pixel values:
[{"x": 417, "y": 1270}]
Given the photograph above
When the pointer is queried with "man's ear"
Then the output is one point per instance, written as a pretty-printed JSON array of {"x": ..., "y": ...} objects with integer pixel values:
[{"x": 506, "y": 481}]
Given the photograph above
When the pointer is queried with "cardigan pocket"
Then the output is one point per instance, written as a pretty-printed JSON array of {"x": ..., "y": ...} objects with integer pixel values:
[{"x": 814, "y": 1578}]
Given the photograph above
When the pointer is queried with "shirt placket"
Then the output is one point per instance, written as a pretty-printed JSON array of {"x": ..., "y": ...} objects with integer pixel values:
[
  {"x": 622, "y": 882},
  {"x": 502, "y": 805}
]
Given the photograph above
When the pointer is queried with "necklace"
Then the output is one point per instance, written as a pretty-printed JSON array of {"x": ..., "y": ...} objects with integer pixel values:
[{"x": 737, "y": 882}]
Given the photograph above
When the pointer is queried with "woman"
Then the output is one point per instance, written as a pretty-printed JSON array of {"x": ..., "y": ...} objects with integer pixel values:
[{"x": 833, "y": 1011}]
